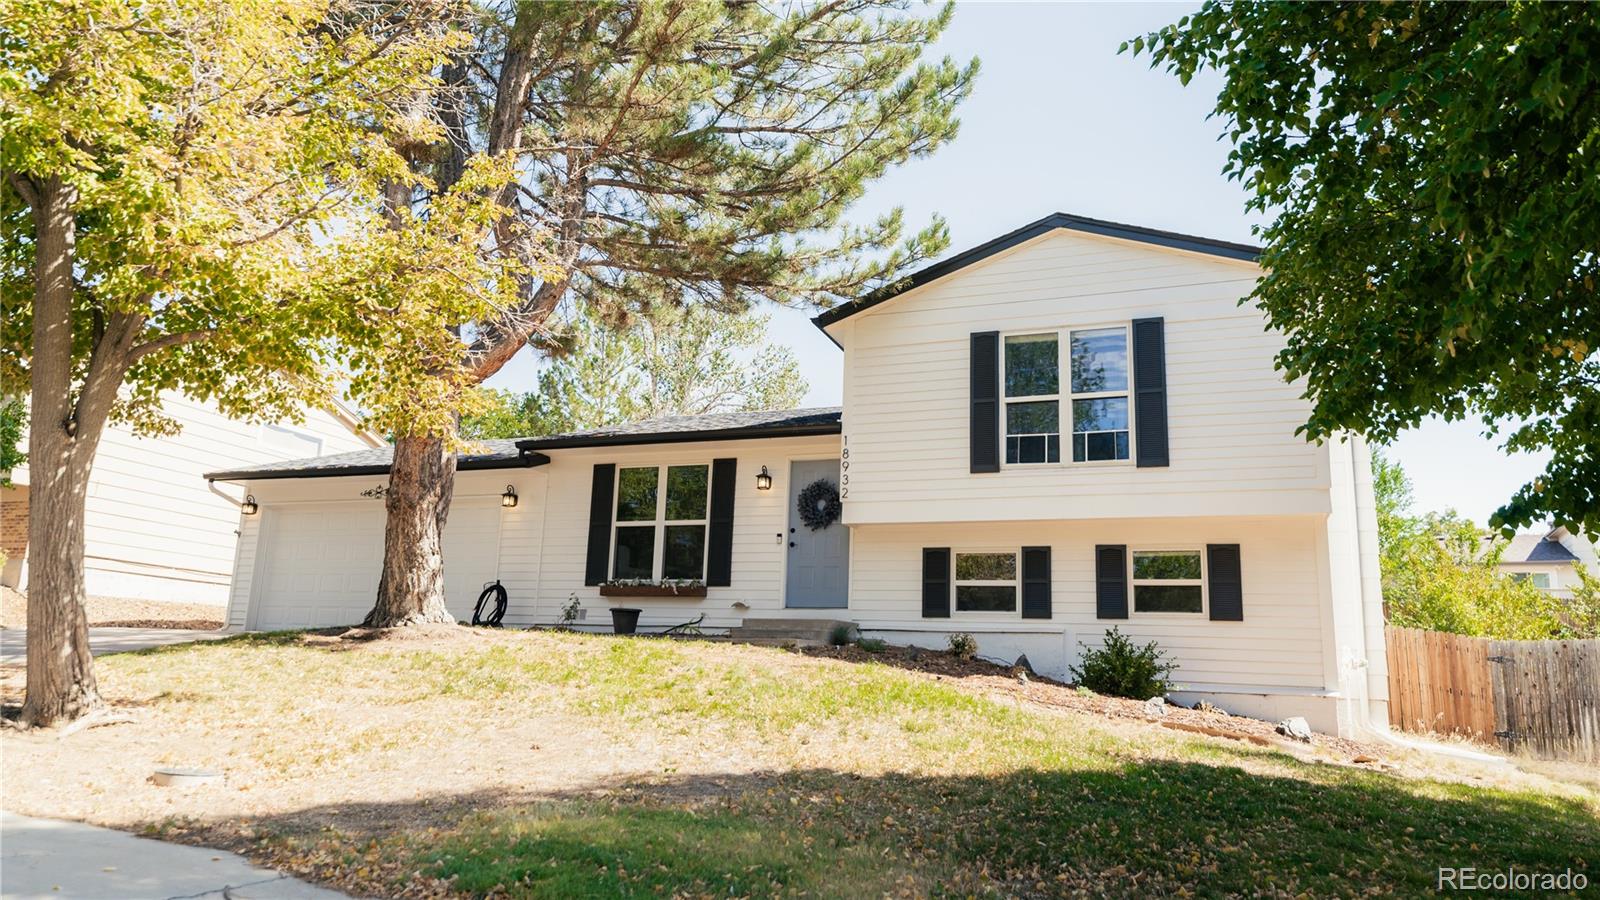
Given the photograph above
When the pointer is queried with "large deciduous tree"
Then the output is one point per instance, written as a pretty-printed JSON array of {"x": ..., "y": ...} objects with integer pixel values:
[
  {"x": 171, "y": 172},
  {"x": 672, "y": 153},
  {"x": 676, "y": 362},
  {"x": 1433, "y": 173}
]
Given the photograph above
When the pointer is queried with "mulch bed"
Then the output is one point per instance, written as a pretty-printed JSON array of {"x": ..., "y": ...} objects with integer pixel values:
[{"x": 1013, "y": 682}]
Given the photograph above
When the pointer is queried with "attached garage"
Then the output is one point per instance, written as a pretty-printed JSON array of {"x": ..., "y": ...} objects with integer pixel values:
[{"x": 318, "y": 564}]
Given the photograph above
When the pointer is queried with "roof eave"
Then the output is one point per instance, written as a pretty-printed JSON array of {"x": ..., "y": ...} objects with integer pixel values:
[
  {"x": 525, "y": 460},
  {"x": 809, "y": 429},
  {"x": 1169, "y": 239}
]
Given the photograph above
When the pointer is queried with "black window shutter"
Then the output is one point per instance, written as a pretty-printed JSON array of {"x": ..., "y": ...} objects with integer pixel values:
[
  {"x": 719, "y": 539},
  {"x": 1225, "y": 582},
  {"x": 594, "y": 569},
  {"x": 936, "y": 582},
  {"x": 1036, "y": 582},
  {"x": 1111, "y": 581},
  {"x": 1150, "y": 391},
  {"x": 985, "y": 427}
]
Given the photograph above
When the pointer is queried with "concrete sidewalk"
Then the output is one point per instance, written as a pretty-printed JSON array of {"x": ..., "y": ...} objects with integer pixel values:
[
  {"x": 50, "y": 858},
  {"x": 14, "y": 641}
]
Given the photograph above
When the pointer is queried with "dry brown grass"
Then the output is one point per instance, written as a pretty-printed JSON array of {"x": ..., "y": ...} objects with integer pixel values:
[
  {"x": 122, "y": 612},
  {"x": 355, "y": 758}
]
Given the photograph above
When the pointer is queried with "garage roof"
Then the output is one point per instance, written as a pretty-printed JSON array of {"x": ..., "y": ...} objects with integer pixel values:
[{"x": 516, "y": 453}]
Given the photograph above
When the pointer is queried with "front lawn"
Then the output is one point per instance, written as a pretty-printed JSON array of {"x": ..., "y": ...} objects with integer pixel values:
[{"x": 541, "y": 764}]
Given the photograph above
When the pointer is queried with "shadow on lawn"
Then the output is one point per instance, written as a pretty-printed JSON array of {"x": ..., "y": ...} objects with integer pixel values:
[{"x": 1134, "y": 828}]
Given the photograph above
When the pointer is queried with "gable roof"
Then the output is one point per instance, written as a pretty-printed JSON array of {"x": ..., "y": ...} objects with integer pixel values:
[
  {"x": 1028, "y": 232},
  {"x": 1536, "y": 548},
  {"x": 516, "y": 453}
]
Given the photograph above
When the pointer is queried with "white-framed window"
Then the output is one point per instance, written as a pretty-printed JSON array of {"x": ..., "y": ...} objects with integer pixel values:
[
  {"x": 1095, "y": 396},
  {"x": 986, "y": 581},
  {"x": 659, "y": 526},
  {"x": 1169, "y": 581},
  {"x": 1032, "y": 384},
  {"x": 1101, "y": 410},
  {"x": 1540, "y": 580}
]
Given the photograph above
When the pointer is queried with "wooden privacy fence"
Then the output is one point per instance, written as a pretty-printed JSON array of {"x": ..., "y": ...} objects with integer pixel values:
[{"x": 1539, "y": 697}]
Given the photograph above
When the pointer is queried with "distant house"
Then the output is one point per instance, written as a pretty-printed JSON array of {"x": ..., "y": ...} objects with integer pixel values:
[
  {"x": 154, "y": 528},
  {"x": 1549, "y": 560},
  {"x": 1073, "y": 427}
]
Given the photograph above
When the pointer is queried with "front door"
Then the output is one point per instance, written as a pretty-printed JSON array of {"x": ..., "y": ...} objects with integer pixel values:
[{"x": 819, "y": 560}]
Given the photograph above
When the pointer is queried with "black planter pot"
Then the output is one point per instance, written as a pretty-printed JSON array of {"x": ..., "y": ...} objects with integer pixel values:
[{"x": 624, "y": 620}]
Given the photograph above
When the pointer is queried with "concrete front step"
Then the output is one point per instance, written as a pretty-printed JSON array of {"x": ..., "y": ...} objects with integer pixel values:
[{"x": 780, "y": 630}]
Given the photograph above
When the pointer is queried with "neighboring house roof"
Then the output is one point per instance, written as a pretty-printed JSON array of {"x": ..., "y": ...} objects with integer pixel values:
[
  {"x": 1536, "y": 548},
  {"x": 516, "y": 453},
  {"x": 1028, "y": 232}
]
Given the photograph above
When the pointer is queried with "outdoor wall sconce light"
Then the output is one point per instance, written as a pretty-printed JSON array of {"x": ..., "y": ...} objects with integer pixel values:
[
  {"x": 249, "y": 507},
  {"x": 509, "y": 498},
  {"x": 764, "y": 480}
]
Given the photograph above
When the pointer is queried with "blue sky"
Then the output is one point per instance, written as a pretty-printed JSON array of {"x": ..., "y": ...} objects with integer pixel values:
[{"x": 1058, "y": 121}]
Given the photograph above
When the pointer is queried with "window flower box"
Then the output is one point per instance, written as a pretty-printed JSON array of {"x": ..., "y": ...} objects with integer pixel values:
[{"x": 653, "y": 589}]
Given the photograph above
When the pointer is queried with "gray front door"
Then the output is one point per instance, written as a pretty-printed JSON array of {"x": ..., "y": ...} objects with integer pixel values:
[{"x": 819, "y": 561}]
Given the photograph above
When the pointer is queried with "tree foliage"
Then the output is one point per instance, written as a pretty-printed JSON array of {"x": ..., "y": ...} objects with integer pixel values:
[
  {"x": 1440, "y": 572},
  {"x": 176, "y": 175},
  {"x": 677, "y": 362},
  {"x": 13, "y": 418},
  {"x": 1433, "y": 175}
]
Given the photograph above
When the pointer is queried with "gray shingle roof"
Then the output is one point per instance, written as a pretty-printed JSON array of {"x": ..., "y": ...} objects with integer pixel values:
[
  {"x": 512, "y": 453},
  {"x": 714, "y": 426},
  {"x": 1534, "y": 548}
]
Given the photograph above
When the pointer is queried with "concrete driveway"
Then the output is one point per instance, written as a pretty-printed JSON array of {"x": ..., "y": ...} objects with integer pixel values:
[
  {"x": 50, "y": 858},
  {"x": 14, "y": 641}
]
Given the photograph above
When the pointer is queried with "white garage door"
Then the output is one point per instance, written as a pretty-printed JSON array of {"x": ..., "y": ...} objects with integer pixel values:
[{"x": 320, "y": 562}]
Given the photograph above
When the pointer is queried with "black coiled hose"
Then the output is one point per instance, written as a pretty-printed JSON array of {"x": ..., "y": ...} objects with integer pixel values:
[{"x": 492, "y": 620}]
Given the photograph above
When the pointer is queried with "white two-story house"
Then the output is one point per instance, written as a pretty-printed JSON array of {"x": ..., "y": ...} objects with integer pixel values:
[{"x": 1072, "y": 427}]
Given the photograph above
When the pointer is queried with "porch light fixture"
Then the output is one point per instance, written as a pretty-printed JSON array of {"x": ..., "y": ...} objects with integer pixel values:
[
  {"x": 509, "y": 498},
  {"x": 249, "y": 507},
  {"x": 764, "y": 480}
]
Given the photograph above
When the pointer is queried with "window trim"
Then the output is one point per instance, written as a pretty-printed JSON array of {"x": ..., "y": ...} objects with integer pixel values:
[
  {"x": 660, "y": 523},
  {"x": 1015, "y": 583},
  {"x": 1006, "y": 399},
  {"x": 1064, "y": 394},
  {"x": 1204, "y": 612}
]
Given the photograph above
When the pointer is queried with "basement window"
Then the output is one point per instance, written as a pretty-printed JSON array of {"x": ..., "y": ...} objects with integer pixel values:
[
  {"x": 986, "y": 582},
  {"x": 1168, "y": 581}
]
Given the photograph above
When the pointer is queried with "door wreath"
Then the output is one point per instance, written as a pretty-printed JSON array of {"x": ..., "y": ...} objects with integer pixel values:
[{"x": 818, "y": 504}]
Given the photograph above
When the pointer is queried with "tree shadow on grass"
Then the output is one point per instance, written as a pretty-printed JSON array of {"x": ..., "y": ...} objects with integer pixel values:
[{"x": 1133, "y": 828}]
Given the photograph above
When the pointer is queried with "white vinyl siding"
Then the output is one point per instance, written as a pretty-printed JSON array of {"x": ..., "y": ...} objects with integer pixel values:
[
  {"x": 1231, "y": 417},
  {"x": 543, "y": 540},
  {"x": 1279, "y": 644},
  {"x": 153, "y": 527}
]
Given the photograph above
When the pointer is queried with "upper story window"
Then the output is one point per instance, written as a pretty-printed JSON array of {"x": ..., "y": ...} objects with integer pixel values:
[
  {"x": 660, "y": 524},
  {"x": 1033, "y": 398},
  {"x": 1100, "y": 394},
  {"x": 1096, "y": 395},
  {"x": 1540, "y": 580}
]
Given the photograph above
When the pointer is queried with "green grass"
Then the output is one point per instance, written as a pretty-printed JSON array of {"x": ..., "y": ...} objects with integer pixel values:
[{"x": 925, "y": 787}]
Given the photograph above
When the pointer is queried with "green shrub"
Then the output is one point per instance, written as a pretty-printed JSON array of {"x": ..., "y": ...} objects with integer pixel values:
[
  {"x": 873, "y": 645},
  {"x": 840, "y": 635},
  {"x": 963, "y": 645},
  {"x": 1123, "y": 670}
]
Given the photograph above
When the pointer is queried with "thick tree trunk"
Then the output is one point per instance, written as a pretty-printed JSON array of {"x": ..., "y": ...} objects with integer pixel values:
[
  {"x": 61, "y": 442},
  {"x": 411, "y": 589}
]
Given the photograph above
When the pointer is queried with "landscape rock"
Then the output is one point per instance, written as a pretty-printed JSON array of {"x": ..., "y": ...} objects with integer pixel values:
[
  {"x": 1155, "y": 707},
  {"x": 1296, "y": 727}
]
